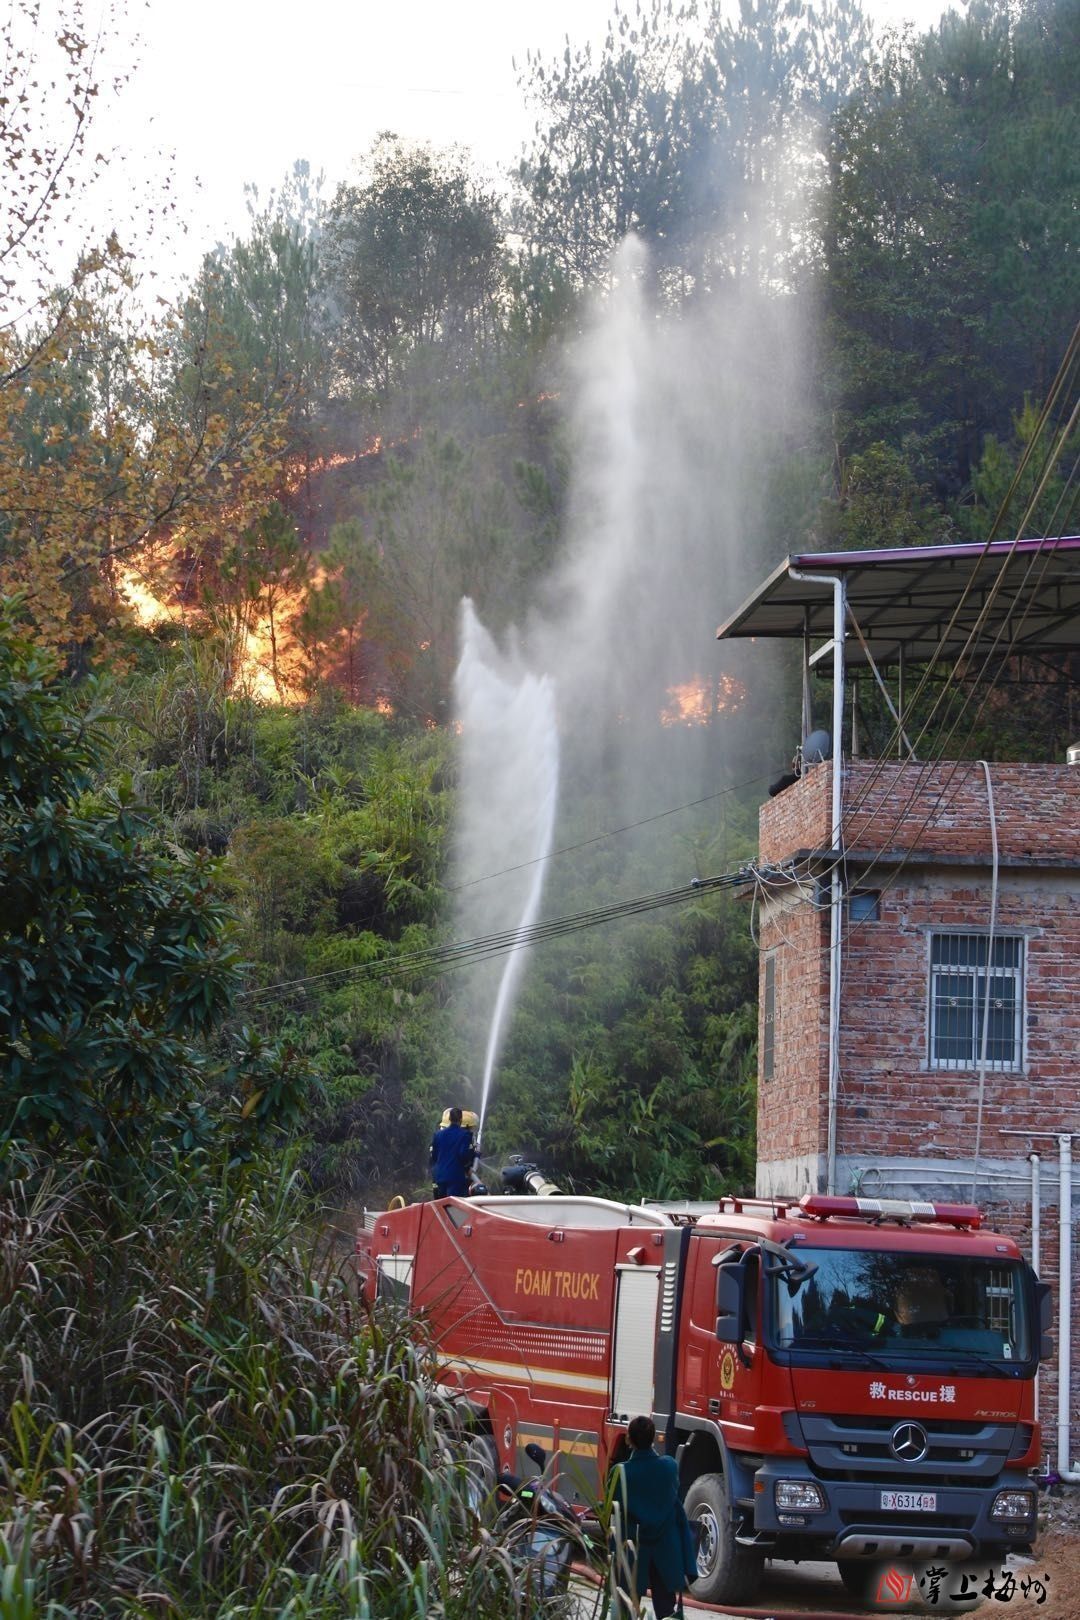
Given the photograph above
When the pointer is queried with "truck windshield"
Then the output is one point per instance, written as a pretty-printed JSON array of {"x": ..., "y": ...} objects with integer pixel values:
[{"x": 883, "y": 1303}]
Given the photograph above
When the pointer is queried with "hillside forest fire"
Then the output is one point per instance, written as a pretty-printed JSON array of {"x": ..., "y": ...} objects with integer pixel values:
[
  {"x": 162, "y": 584},
  {"x": 698, "y": 701},
  {"x": 267, "y": 656},
  {"x": 257, "y": 648}
]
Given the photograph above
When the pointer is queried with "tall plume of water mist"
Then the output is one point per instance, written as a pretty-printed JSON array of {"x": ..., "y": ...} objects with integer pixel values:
[
  {"x": 509, "y": 786},
  {"x": 680, "y": 419},
  {"x": 682, "y": 425}
]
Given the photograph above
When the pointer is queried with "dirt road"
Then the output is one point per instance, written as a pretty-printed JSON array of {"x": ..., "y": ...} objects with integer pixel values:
[{"x": 815, "y": 1589}]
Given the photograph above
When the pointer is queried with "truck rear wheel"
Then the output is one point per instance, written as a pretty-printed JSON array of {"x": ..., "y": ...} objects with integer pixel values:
[{"x": 727, "y": 1573}]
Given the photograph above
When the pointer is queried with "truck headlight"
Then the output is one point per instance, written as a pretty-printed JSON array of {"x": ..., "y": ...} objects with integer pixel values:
[
  {"x": 802, "y": 1495},
  {"x": 1013, "y": 1505}
]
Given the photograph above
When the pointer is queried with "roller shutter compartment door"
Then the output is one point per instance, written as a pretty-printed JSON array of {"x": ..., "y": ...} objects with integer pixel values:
[
  {"x": 635, "y": 1343},
  {"x": 395, "y": 1277}
]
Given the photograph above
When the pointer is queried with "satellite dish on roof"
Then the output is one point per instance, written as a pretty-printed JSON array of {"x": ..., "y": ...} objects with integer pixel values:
[{"x": 816, "y": 747}]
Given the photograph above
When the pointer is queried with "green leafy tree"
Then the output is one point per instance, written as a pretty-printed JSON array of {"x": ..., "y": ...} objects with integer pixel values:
[
  {"x": 951, "y": 273},
  {"x": 612, "y": 148},
  {"x": 444, "y": 523},
  {"x": 880, "y": 502},
  {"x": 692, "y": 128},
  {"x": 413, "y": 259},
  {"x": 257, "y": 307},
  {"x": 1014, "y": 486},
  {"x": 351, "y": 588},
  {"x": 116, "y": 964}
]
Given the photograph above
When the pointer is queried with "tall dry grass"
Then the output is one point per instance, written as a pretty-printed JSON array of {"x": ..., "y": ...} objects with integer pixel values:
[{"x": 198, "y": 1419}]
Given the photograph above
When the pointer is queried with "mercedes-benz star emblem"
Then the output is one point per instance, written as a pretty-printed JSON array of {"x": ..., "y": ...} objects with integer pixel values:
[{"x": 909, "y": 1442}]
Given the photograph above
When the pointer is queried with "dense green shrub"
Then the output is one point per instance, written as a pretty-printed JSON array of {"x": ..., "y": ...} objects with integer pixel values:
[{"x": 117, "y": 961}]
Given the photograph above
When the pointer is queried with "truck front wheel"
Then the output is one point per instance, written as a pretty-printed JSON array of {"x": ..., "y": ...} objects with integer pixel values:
[
  {"x": 856, "y": 1577},
  {"x": 727, "y": 1573}
]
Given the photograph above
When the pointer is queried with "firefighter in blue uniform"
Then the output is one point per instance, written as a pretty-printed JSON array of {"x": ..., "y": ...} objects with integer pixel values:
[{"x": 452, "y": 1154}]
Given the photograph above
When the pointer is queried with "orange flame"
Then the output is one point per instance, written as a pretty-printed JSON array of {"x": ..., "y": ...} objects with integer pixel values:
[
  {"x": 539, "y": 400},
  {"x": 135, "y": 592},
  {"x": 698, "y": 701},
  {"x": 147, "y": 586},
  {"x": 252, "y": 659}
]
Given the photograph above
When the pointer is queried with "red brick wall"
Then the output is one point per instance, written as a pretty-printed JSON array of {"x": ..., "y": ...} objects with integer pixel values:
[
  {"x": 892, "y": 1105},
  {"x": 798, "y": 818},
  {"x": 942, "y": 808},
  {"x": 791, "y": 1106},
  {"x": 891, "y": 1101}
]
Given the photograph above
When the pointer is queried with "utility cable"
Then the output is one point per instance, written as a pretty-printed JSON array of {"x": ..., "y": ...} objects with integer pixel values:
[
  {"x": 613, "y": 832},
  {"x": 900, "y": 815},
  {"x": 437, "y": 957},
  {"x": 989, "y": 970},
  {"x": 1050, "y": 459},
  {"x": 1043, "y": 552}
]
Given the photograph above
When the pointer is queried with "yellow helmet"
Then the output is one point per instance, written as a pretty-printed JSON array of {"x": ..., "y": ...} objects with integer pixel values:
[{"x": 468, "y": 1119}]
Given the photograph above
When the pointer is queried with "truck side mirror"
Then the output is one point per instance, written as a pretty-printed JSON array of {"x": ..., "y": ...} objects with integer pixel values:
[{"x": 730, "y": 1286}]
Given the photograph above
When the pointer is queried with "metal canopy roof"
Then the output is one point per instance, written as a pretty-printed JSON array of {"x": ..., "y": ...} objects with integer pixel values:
[{"x": 904, "y": 600}]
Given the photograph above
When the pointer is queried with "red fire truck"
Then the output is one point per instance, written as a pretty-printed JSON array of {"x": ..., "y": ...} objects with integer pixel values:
[{"x": 838, "y": 1378}]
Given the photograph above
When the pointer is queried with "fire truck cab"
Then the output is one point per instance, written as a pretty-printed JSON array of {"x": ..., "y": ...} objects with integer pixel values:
[{"x": 837, "y": 1378}]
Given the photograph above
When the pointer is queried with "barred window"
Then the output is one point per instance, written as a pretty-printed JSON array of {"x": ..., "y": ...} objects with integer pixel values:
[
  {"x": 959, "y": 966},
  {"x": 768, "y": 1022}
]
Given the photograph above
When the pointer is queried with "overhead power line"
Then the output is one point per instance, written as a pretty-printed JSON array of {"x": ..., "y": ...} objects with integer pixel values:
[
  {"x": 438, "y": 958},
  {"x": 612, "y": 832}
]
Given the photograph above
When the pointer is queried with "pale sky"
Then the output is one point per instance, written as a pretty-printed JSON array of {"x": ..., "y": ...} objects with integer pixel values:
[{"x": 237, "y": 90}]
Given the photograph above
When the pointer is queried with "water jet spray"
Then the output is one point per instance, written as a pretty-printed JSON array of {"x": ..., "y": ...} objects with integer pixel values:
[{"x": 509, "y": 783}]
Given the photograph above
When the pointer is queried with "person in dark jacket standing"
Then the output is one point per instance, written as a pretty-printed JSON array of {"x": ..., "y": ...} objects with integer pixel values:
[
  {"x": 452, "y": 1154},
  {"x": 663, "y": 1560}
]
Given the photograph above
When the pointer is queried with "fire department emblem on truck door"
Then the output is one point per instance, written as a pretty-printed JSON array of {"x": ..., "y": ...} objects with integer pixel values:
[{"x": 727, "y": 1369}]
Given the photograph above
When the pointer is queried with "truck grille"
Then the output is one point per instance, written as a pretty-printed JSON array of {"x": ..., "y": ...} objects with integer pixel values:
[{"x": 959, "y": 1452}]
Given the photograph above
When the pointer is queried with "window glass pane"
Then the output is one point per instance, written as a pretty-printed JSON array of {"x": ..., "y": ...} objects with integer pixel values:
[
  {"x": 952, "y": 1018},
  {"x": 969, "y": 950},
  {"x": 895, "y": 1304},
  {"x": 1001, "y": 1024}
]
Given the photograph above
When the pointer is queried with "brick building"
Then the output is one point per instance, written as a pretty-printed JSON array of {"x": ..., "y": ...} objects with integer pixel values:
[{"x": 918, "y": 920}]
